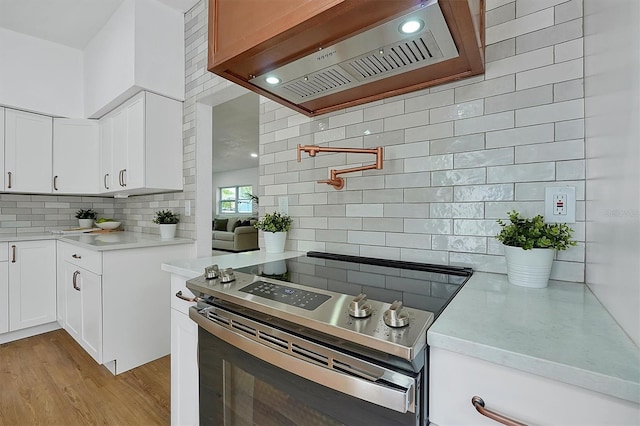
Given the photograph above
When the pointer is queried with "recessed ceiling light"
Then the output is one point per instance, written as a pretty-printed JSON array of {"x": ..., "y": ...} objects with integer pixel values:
[
  {"x": 254, "y": 155},
  {"x": 411, "y": 26},
  {"x": 272, "y": 80}
]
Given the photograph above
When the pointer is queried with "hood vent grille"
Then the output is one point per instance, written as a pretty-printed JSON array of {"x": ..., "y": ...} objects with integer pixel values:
[{"x": 375, "y": 54}]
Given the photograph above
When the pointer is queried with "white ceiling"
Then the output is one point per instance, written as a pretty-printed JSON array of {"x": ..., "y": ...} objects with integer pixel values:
[{"x": 72, "y": 23}]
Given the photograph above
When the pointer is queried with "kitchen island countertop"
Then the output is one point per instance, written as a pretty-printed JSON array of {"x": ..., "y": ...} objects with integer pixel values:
[{"x": 561, "y": 332}]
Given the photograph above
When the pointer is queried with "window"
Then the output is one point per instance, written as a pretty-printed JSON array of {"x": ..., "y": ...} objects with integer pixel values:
[{"x": 236, "y": 199}]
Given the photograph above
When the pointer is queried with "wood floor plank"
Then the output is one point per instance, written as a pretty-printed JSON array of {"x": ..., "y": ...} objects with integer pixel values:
[{"x": 50, "y": 380}]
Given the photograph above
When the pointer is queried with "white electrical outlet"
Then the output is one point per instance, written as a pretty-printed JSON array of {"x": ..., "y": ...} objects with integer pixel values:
[
  {"x": 283, "y": 205},
  {"x": 560, "y": 204}
]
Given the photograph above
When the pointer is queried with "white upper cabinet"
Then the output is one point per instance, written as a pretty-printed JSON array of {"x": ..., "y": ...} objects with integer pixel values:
[
  {"x": 75, "y": 156},
  {"x": 28, "y": 152},
  {"x": 141, "y": 146}
]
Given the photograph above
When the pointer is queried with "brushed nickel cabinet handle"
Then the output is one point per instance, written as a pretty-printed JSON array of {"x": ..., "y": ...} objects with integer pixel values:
[
  {"x": 55, "y": 183},
  {"x": 105, "y": 181},
  {"x": 76, "y": 256},
  {"x": 74, "y": 280},
  {"x": 10, "y": 174},
  {"x": 478, "y": 403},
  {"x": 120, "y": 181},
  {"x": 13, "y": 254}
]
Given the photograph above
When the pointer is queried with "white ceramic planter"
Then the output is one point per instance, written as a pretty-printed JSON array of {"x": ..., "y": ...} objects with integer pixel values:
[
  {"x": 168, "y": 230},
  {"x": 529, "y": 268},
  {"x": 85, "y": 223},
  {"x": 274, "y": 241}
]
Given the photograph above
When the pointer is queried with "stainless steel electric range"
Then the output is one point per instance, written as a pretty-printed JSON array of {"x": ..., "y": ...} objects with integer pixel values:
[{"x": 319, "y": 339}]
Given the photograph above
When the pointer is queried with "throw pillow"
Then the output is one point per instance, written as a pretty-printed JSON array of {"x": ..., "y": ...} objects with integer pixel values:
[
  {"x": 235, "y": 225},
  {"x": 220, "y": 224}
]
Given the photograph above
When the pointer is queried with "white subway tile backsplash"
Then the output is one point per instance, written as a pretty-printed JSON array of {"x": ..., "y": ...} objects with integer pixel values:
[
  {"x": 419, "y": 195},
  {"x": 310, "y": 199},
  {"x": 406, "y": 210},
  {"x": 408, "y": 150},
  {"x": 338, "y": 210},
  {"x": 489, "y": 157},
  {"x": 385, "y": 139},
  {"x": 381, "y": 253},
  {"x": 570, "y": 170},
  {"x": 382, "y": 224},
  {"x": 566, "y": 150},
  {"x": 522, "y": 25},
  {"x": 407, "y": 180},
  {"x": 424, "y": 256},
  {"x": 568, "y": 11},
  {"x": 473, "y": 142},
  {"x": 520, "y": 99},
  {"x": 497, "y": 192},
  {"x": 521, "y": 173},
  {"x": 518, "y": 63},
  {"x": 500, "y": 15},
  {"x": 499, "y": 210},
  {"x": 428, "y": 226},
  {"x": 459, "y": 243},
  {"x": 568, "y": 110},
  {"x": 329, "y": 135},
  {"x": 567, "y": 90},
  {"x": 549, "y": 36},
  {"x": 492, "y": 4},
  {"x": 456, "y": 210},
  {"x": 455, "y": 112},
  {"x": 408, "y": 240},
  {"x": 458, "y": 177},
  {"x": 364, "y": 182},
  {"x": 433, "y": 162},
  {"x": 555, "y": 73},
  {"x": 346, "y": 119},
  {"x": 477, "y": 227},
  {"x": 535, "y": 191},
  {"x": 569, "y": 50},
  {"x": 479, "y": 262},
  {"x": 407, "y": 120},
  {"x": 333, "y": 236},
  {"x": 485, "y": 88},
  {"x": 343, "y": 197},
  {"x": 497, "y": 51},
  {"x": 429, "y": 100},
  {"x": 525, "y": 7},
  {"x": 364, "y": 210},
  {"x": 572, "y": 129},
  {"x": 383, "y": 196},
  {"x": 384, "y": 110},
  {"x": 567, "y": 271},
  {"x": 485, "y": 123},
  {"x": 520, "y": 136},
  {"x": 433, "y": 131},
  {"x": 366, "y": 128}
]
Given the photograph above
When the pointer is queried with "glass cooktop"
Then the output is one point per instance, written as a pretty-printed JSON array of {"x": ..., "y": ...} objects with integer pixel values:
[{"x": 422, "y": 286}]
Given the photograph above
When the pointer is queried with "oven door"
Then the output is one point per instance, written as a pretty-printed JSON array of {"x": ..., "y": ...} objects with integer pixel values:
[{"x": 244, "y": 382}]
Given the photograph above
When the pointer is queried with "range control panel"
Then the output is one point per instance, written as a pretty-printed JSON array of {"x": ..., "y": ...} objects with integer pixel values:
[{"x": 304, "y": 299}]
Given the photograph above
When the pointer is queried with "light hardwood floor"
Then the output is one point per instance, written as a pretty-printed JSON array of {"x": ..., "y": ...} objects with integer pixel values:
[{"x": 50, "y": 380}]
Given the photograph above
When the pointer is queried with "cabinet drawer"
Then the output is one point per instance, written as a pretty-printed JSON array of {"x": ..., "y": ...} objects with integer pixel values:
[
  {"x": 4, "y": 252},
  {"x": 79, "y": 256}
]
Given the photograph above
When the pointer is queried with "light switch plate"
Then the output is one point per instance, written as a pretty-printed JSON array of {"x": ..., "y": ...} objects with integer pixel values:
[{"x": 560, "y": 204}]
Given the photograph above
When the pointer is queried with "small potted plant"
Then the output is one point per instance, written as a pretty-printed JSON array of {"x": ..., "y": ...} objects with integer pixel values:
[
  {"x": 168, "y": 222},
  {"x": 529, "y": 248},
  {"x": 86, "y": 217},
  {"x": 275, "y": 226}
]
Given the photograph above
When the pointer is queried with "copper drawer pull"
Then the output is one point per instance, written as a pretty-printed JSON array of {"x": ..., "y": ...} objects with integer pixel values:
[
  {"x": 188, "y": 299},
  {"x": 479, "y": 404}
]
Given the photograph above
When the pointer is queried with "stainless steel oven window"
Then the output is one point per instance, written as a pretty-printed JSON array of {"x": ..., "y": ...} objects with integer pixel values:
[{"x": 238, "y": 389}]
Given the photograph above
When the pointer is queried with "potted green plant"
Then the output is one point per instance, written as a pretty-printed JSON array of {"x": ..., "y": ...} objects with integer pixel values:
[
  {"x": 275, "y": 226},
  {"x": 529, "y": 248},
  {"x": 86, "y": 218},
  {"x": 168, "y": 222}
]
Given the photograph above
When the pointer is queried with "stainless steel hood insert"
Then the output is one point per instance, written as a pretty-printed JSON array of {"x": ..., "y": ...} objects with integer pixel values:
[{"x": 378, "y": 53}]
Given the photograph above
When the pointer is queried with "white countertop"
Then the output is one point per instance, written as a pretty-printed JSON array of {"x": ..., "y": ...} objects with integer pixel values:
[
  {"x": 103, "y": 242},
  {"x": 192, "y": 268},
  {"x": 561, "y": 332}
]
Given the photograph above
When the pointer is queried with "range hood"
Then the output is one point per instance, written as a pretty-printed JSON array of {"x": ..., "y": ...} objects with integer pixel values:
[{"x": 375, "y": 62}]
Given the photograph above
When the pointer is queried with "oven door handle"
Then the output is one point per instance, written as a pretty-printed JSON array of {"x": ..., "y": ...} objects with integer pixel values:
[{"x": 401, "y": 398}]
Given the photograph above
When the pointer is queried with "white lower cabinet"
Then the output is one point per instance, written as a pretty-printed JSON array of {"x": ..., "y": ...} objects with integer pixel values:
[
  {"x": 32, "y": 283},
  {"x": 454, "y": 379},
  {"x": 4, "y": 288},
  {"x": 82, "y": 290},
  {"x": 184, "y": 358}
]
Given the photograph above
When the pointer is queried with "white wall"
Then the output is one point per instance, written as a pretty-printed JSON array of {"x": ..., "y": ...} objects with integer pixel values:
[
  {"x": 612, "y": 111},
  {"x": 40, "y": 76},
  {"x": 140, "y": 48},
  {"x": 236, "y": 177}
]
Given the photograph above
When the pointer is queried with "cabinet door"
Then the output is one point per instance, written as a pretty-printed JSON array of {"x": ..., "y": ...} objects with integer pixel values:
[
  {"x": 184, "y": 370},
  {"x": 32, "y": 283},
  {"x": 75, "y": 156},
  {"x": 107, "y": 181},
  {"x": 83, "y": 308},
  {"x": 128, "y": 144},
  {"x": 2, "y": 148},
  {"x": 4, "y": 300},
  {"x": 28, "y": 152}
]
